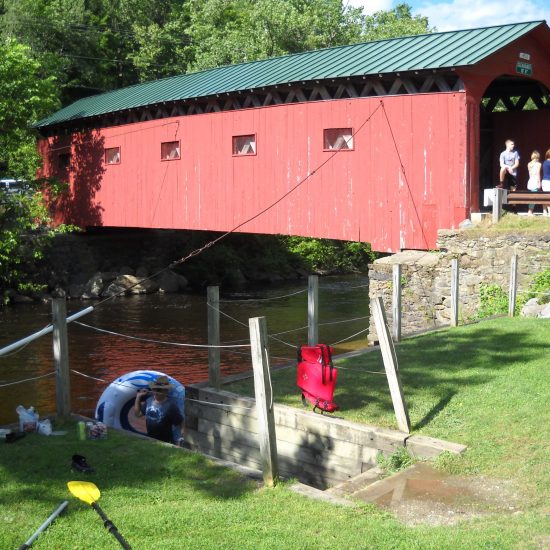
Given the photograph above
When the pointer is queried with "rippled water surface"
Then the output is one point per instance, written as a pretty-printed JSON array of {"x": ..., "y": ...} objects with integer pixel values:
[{"x": 180, "y": 318}]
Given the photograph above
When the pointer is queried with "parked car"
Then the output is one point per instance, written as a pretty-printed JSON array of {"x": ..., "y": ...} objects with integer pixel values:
[{"x": 13, "y": 186}]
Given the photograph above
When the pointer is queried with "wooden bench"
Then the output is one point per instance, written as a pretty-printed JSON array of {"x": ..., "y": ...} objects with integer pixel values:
[{"x": 526, "y": 197}]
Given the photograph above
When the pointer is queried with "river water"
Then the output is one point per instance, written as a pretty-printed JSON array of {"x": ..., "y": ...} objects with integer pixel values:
[{"x": 180, "y": 318}]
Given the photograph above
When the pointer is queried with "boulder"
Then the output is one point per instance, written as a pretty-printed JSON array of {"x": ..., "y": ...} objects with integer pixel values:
[
  {"x": 545, "y": 313},
  {"x": 142, "y": 271},
  {"x": 76, "y": 290},
  {"x": 532, "y": 308},
  {"x": 126, "y": 270},
  {"x": 171, "y": 282},
  {"x": 129, "y": 284},
  {"x": 95, "y": 285}
]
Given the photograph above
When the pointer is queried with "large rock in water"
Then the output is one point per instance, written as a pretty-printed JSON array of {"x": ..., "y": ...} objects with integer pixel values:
[
  {"x": 171, "y": 282},
  {"x": 96, "y": 284},
  {"x": 129, "y": 284}
]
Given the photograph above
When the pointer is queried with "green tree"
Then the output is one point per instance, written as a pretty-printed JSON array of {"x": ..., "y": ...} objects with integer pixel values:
[
  {"x": 394, "y": 23},
  {"x": 232, "y": 31},
  {"x": 25, "y": 96}
]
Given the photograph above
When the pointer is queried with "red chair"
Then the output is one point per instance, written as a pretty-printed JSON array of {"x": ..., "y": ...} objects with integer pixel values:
[{"x": 317, "y": 376}]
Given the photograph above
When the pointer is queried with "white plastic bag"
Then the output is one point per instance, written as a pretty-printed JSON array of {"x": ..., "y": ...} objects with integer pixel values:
[
  {"x": 28, "y": 418},
  {"x": 44, "y": 427}
]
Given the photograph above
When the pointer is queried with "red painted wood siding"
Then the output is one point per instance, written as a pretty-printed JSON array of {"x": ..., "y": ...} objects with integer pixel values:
[{"x": 357, "y": 195}]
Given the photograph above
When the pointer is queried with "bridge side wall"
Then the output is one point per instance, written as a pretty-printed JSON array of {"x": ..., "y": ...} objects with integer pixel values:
[{"x": 404, "y": 178}]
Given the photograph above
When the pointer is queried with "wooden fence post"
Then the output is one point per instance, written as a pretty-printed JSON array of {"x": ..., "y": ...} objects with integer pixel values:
[
  {"x": 391, "y": 366},
  {"x": 497, "y": 204},
  {"x": 313, "y": 310},
  {"x": 61, "y": 358},
  {"x": 264, "y": 400},
  {"x": 512, "y": 292},
  {"x": 454, "y": 292},
  {"x": 213, "y": 304},
  {"x": 396, "y": 302}
]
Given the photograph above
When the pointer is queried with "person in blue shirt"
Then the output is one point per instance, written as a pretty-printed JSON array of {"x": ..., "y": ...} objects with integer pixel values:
[
  {"x": 160, "y": 412},
  {"x": 509, "y": 162}
]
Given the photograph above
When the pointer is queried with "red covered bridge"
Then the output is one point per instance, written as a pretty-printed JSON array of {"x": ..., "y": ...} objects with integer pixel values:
[{"x": 383, "y": 142}]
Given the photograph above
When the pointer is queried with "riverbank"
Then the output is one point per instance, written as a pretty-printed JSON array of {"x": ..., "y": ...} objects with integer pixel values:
[
  {"x": 106, "y": 262},
  {"x": 471, "y": 384}
]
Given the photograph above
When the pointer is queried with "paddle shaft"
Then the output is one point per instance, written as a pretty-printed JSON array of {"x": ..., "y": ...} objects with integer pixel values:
[
  {"x": 110, "y": 526},
  {"x": 44, "y": 526}
]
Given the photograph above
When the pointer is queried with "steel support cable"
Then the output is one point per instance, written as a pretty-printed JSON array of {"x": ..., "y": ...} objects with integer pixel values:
[
  {"x": 273, "y": 204},
  {"x": 343, "y": 321},
  {"x": 201, "y": 249},
  {"x": 27, "y": 380},
  {"x": 361, "y": 370},
  {"x": 322, "y": 287},
  {"x": 404, "y": 174},
  {"x": 126, "y": 385},
  {"x": 264, "y": 299},
  {"x": 19, "y": 344},
  {"x": 140, "y": 339},
  {"x": 245, "y": 325},
  {"x": 349, "y": 337}
]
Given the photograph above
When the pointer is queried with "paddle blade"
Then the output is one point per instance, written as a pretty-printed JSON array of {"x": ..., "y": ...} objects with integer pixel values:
[{"x": 84, "y": 490}]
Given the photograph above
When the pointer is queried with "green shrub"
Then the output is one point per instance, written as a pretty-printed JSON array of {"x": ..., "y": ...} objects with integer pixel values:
[
  {"x": 331, "y": 256},
  {"x": 540, "y": 287},
  {"x": 492, "y": 300},
  {"x": 397, "y": 461}
]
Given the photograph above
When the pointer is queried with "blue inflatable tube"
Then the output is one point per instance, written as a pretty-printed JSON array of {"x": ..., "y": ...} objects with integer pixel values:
[{"x": 117, "y": 401}]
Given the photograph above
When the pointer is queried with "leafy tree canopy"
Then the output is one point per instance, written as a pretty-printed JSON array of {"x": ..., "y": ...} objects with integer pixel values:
[
  {"x": 25, "y": 96},
  {"x": 96, "y": 45}
]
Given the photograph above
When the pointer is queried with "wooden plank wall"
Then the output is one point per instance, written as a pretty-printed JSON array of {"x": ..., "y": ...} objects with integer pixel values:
[
  {"x": 317, "y": 450},
  {"x": 393, "y": 194}
]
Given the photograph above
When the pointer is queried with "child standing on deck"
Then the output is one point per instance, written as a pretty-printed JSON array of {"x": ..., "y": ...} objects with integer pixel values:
[{"x": 534, "y": 183}]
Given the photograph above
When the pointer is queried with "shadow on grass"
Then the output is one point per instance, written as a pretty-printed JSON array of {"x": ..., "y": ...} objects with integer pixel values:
[
  {"x": 433, "y": 368},
  {"x": 38, "y": 468}
]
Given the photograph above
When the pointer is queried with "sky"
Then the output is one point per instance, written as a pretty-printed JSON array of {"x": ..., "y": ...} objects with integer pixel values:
[{"x": 451, "y": 15}]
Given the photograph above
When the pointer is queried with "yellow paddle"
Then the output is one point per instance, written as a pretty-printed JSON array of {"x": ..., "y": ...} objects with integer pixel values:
[{"x": 89, "y": 493}]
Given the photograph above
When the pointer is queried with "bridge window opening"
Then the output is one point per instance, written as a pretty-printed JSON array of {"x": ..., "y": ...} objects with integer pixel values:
[
  {"x": 64, "y": 161},
  {"x": 338, "y": 138},
  {"x": 170, "y": 150},
  {"x": 244, "y": 145},
  {"x": 112, "y": 155}
]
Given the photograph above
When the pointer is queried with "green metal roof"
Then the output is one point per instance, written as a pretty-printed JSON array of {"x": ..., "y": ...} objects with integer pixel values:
[{"x": 410, "y": 53}]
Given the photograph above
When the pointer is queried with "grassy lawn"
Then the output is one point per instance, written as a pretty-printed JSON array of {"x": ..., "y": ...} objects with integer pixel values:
[{"x": 485, "y": 385}]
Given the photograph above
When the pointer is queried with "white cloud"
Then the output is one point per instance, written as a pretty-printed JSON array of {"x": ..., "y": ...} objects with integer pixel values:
[
  {"x": 371, "y": 6},
  {"x": 467, "y": 14}
]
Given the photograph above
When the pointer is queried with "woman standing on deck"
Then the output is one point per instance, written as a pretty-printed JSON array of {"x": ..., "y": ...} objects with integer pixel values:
[
  {"x": 534, "y": 183},
  {"x": 546, "y": 180}
]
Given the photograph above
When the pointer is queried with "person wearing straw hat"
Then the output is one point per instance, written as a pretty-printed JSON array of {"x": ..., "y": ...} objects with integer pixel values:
[{"x": 160, "y": 412}]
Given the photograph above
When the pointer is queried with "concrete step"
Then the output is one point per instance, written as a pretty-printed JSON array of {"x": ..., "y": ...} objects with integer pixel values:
[
  {"x": 358, "y": 483},
  {"x": 317, "y": 494}
]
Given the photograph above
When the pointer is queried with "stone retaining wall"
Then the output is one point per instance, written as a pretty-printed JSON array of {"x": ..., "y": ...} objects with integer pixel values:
[{"x": 426, "y": 276}]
